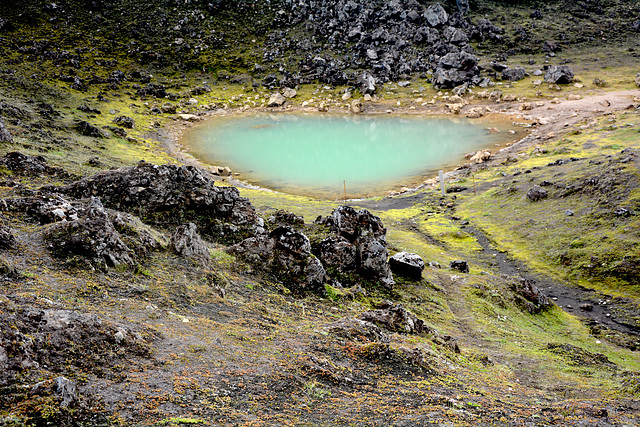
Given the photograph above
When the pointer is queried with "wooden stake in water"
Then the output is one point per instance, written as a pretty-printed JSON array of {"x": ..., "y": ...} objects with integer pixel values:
[
  {"x": 345, "y": 191},
  {"x": 441, "y": 175}
]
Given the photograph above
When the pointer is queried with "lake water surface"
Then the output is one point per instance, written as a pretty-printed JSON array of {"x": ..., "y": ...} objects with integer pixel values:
[{"x": 317, "y": 154}]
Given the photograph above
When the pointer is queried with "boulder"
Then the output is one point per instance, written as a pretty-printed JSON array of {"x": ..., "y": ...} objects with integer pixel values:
[
  {"x": 61, "y": 387},
  {"x": 187, "y": 242},
  {"x": 461, "y": 266},
  {"x": 395, "y": 318},
  {"x": 407, "y": 264},
  {"x": 5, "y": 135},
  {"x": 7, "y": 239},
  {"x": 530, "y": 296},
  {"x": 92, "y": 236},
  {"x": 276, "y": 100},
  {"x": 357, "y": 106},
  {"x": 537, "y": 193},
  {"x": 289, "y": 93},
  {"x": 637, "y": 80},
  {"x": 169, "y": 194},
  {"x": 285, "y": 253},
  {"x": 513, "y": 74},
  {"x": 435, "y": 15},
  {"x": 455, "y": 69},
  {"x": 125, "y": 122},
  {"x": 560, "y": 74},
  {"x": 367, "y": 83},
  {"x": 357, "y": 245},
  {"x": 87, "y": 129}
]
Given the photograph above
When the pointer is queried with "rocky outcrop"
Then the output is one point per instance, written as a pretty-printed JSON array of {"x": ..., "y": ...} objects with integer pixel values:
[
  {"x": 286, "y": 254},
  {"x": 406, "y": 264},
  {"x": 187, "y": 242},
  {"x": 92, "y": 236},
  {"x": 29, "y": 165},
  {"x": 51, "y": 339},
  {"x": 395, "y": 318},
  {"x": 169, "y": 194},
  {"x": 357, "y": 245},
  {"x": 561, "y": 74}
]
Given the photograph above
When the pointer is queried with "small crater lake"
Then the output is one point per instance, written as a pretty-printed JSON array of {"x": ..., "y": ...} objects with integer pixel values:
[{"x": 314, "y": 154}]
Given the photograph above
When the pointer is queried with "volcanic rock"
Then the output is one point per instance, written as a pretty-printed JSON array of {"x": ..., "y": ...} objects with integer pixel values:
[
  {"x": 561, "y": 74},
  {"x": 407, "y": 265}
]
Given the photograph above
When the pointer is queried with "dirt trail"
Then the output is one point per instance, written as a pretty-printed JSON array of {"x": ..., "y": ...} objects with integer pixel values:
[{"x": 569, "y": 298}]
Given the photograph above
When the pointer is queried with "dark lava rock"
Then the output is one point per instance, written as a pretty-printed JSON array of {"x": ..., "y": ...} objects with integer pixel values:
[
  {"x": 29, "y": 165},
  {"x": 168, "y": 108},
  {"x": 187, "y": 242},
  {"x": 92, "y": 236},
  {"x": 170, "y": 194},
  {"x": 5, "y": 135},
  {"x": 455, "y": 69},
  {"x": 338, "y": 252},
  {"x": 357, "y": 330},
  {"x": 561, "y": 74},
  {"x": 537, "y": 193},
  {"x": 86, "y": 109},
  {"x": 461, "y": 266},
  {"x": 87, "y": 129},
  {"x": 152, "y": 89},
  {"x": 125, "y": 122},
  {"x": 395, "y": 318},
  {"x": 436, "y": 15},
  {"x": 357, "y": 245},
  {"x": 283, "y": 217},
  {"x": 407, "y": 264},
  {"x": 7, "y": 239},
  {"x": 530, "y": 296},
  {"x": 285, "y": 253},
  {"x": 513, "y": 74}
]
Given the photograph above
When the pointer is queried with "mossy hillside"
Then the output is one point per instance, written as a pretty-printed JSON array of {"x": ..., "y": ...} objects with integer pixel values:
[{"x": 553, "y": 239}]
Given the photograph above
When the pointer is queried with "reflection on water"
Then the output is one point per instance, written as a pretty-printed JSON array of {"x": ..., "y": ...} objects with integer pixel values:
[{"x": 314, "y": 154}]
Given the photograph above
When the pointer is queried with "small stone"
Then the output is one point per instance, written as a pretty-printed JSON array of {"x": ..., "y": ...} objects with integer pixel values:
[
  {"x": 569, "y": 212},
  {"x": 461, "y": 266}
]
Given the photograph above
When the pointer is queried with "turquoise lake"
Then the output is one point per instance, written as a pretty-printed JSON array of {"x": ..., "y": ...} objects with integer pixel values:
[{"x": 317, "y": 155}]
